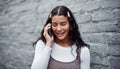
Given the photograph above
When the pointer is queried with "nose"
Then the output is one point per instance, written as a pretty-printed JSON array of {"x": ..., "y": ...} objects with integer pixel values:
[{"x": 59, "y": 28}]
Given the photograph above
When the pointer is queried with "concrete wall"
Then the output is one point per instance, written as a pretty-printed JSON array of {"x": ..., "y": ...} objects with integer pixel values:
[{"x": 21, "y": 22}]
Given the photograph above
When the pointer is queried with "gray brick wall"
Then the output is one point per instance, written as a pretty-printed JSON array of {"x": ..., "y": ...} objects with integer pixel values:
[{"x": 21, "y": 22}]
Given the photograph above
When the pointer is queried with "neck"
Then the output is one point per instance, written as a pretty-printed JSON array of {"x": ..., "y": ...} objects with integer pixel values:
[{"x": 64, "y": 43}]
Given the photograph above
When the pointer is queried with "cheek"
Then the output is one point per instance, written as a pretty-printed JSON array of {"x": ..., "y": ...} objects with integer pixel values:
[
  {"x": 53, "y": 29},
  {"x": 67, "y": 28}
]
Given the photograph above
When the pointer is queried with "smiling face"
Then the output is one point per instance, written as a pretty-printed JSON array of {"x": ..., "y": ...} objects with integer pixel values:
[{"x": 60, "y": 27}]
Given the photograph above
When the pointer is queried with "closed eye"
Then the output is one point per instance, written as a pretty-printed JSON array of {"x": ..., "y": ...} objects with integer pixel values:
[
  {"x": 63, "y": 23},
  {"x": 54, "y": 24}
]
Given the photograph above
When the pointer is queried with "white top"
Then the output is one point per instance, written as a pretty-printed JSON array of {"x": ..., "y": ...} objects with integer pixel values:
[{"x": 63, "y": 54}]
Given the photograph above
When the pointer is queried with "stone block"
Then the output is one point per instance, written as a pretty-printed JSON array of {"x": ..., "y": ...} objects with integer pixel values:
[
  {"x": 90, "y": 5},
  {"x": 113, "y": 38},
  {"x": 76, "y": 8},
  {"x": 83, "y": 18},
  {"x": 114, "y": 62},
  {"x": 46, "y": 9},
  {"x": 112, "y": 26},
  {"x": 102, "y": 15},
  {"x": 116, "y": 14},
  {"x": 109, "y": 3},
  {"x": 94, "y": 38},
  {"x": 99, "y": 57},
  {"x": 98, "y": 66},
  {"x": 104, "y": 38},
  {"x": 114, "y": 49}
]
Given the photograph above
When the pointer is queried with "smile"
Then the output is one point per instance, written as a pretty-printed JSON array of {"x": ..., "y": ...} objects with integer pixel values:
[{"x": 60, "y": 34}]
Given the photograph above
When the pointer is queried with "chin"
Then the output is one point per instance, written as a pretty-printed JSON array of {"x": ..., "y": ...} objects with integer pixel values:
[{"x": 61, "y": 38}]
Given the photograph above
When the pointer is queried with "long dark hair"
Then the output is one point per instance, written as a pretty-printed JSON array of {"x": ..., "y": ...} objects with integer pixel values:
[{"x": 74, "y": 34}]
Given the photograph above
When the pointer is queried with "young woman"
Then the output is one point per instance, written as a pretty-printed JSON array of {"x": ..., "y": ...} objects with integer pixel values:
[{"x": 60, "y": 45}]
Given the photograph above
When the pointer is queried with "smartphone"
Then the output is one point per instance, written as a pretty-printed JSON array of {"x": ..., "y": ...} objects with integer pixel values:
[{"x": 50, "y": 32}]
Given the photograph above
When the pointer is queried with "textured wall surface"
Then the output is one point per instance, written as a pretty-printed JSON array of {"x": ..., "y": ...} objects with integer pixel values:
[{"x": 21, "y": 22}]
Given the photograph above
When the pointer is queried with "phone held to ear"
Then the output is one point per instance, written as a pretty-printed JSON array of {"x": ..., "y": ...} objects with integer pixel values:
[{"x": 50, "y": 32}]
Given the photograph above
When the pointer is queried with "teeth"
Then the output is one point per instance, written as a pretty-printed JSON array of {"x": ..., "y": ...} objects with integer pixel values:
[{"x": 60, "y": 34}]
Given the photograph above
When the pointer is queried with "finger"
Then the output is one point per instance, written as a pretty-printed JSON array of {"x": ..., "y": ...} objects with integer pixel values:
[{"x": 48, "y": 26}]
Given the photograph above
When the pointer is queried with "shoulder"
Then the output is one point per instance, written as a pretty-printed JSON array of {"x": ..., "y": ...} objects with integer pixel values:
[
  {"x": 39, "y": 43},
  {"x": 85, "y": 51}
]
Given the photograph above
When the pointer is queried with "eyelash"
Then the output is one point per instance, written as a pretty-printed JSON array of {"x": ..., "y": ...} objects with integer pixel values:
[
  {"x": 63, "y": 24},
  {"x": 54, "y": 25}
]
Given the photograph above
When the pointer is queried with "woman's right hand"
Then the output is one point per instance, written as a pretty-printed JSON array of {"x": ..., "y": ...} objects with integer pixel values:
[{"x": 49, "y": 40}]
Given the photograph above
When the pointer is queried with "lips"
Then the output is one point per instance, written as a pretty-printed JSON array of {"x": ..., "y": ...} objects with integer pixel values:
[{"x": 59, "y": 34}]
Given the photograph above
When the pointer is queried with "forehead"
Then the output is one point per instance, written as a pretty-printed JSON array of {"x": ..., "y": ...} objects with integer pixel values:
[{"x": 57, "y": 18}]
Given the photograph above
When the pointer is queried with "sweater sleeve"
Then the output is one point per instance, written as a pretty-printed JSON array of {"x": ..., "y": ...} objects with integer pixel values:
[
  {"x": 41, "y": 57},
  {"x": 85, "y": 58}
]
